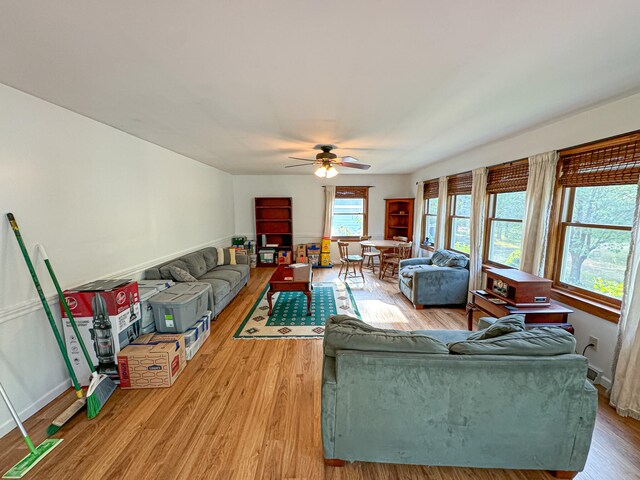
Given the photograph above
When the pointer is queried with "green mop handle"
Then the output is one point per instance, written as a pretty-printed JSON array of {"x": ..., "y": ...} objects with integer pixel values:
[
  {"x": 16, "y": 419},
  {"x": 45, "y": 305},
  {"x": 65, "y": 305}
]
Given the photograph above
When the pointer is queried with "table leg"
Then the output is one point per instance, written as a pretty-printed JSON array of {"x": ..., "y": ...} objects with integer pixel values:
[
  {"x": 308, "y": 294},
  {"x": 269, "y": 295},
  {"x": 470, "y": 310}
]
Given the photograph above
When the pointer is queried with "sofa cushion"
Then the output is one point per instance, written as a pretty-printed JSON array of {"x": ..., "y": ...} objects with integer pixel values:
[
  {"x": 241, "y": 268},
  {"x": 343, "y": 332},
  {"x": 180, "y": 275},
  {"x": 446, "y": 336},
  {"x": 502, "y": 326},
  {"x": 446, "y": 258},
  {"x": 230, "y": 276},
  {"x": 543, "y": 341},
  {"x": 220, "y": 288},
  {"x": 196, "y": 263},
  {"x": 165, "y": 271},
  {"x": 210, "y": 255}
]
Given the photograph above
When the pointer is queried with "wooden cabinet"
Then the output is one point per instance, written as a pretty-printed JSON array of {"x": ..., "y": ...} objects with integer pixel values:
[
  {"x": 398, "y": 220},
  {"x": 274, "y": 225},
  {"x": 511, "y": 291}
]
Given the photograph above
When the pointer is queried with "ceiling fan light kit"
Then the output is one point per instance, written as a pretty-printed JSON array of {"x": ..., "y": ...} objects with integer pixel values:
[{"x": 326, "y": 162}]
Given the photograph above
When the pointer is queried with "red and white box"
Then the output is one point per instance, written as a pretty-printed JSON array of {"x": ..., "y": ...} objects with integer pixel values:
[{"x": 109, "y": 318}]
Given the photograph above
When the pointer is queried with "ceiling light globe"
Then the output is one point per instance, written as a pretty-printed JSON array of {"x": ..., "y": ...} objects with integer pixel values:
[
  {"x": 332, "y": 172},
  {"x": 321, "y": 172}
]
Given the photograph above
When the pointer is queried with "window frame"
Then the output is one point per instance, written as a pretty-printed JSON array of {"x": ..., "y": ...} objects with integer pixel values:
[
  {"x": 490, "y": 217},
  {"x": 423, "y": 244},
  {"x": 451, "y": 215},
  {"x": 567, "y": 199},
  {"x": 365, "y": 215}
]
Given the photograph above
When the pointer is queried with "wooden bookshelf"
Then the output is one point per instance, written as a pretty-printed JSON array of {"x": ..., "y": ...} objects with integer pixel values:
[
  {"x": 274, "y": 224},
  {"x": 398, "y": 218}
]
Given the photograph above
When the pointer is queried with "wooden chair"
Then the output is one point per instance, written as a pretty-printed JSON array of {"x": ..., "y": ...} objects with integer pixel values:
[
  {"x": 391, "y": 253},
  {"x": 347, "y": 261},
  {"x": 369, "y": 255},
  {"x": 393, "y": 259}
]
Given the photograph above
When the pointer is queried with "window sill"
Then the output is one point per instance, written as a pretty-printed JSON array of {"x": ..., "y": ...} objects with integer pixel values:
[
  {"x": 425, "y": 246},
  {"x": 346, "y": 239},
  {"x": 594, "y": 307}
]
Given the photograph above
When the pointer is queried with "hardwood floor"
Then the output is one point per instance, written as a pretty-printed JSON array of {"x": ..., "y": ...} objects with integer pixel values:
[{"x": 250, "y": 409}]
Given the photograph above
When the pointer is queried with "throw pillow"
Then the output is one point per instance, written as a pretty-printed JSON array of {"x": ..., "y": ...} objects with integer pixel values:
[
  {"x": 446, "y": 258},
  {"x": 180, "y": 275},
  {"x": 544, "y": 341},
  {"x": 222, "y": 258},
  {"x": 232, "y": 256},
  {"x": 502, "y": 326}
]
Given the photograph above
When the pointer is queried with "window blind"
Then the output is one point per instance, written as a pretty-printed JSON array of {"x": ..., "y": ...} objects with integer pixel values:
[
  {"x": 509, "y": 177},
  {"x": 610, "y": 162},
  {"x": 459, "y": 184},
  {"x": 352, "y": 192},
  {"x": 430, "y": 189}
]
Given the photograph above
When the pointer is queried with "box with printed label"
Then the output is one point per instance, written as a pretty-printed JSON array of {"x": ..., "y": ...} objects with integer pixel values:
[
  {"x": 108, "y": 316},
  {"x": 152, "y": 361}
]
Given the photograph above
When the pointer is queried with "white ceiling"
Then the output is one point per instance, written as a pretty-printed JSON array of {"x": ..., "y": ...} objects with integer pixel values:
[{"x": 400, "y": 84}]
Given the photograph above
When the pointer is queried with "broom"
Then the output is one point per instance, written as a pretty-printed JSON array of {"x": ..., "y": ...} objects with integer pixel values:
[
  {"x": 101, "y": 386},
  {"x": 36, "y": 454},
  {"x": 80, "y": 402}
]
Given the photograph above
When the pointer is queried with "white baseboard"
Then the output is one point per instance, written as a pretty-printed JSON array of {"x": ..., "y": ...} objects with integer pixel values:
[
  {"x": 36, "y": 406},
  {"x": 605, "y": 382}
]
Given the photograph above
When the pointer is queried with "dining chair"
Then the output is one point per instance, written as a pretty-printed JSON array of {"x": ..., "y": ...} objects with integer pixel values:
[
  {"x": 347, "y": 261},
  {"x": 403, "y": 251},
  {"x": 369, "y": 255}
]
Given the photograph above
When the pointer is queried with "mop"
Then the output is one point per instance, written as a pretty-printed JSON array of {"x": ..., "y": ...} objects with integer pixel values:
[
  {"x": 101, "y": 386},
  {"x": 80, "y": 402},
  {"x": 36, "y": 454}
]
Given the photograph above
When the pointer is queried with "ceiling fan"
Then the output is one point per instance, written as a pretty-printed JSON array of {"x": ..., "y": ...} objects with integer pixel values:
[{"x": 326, "y": 162}]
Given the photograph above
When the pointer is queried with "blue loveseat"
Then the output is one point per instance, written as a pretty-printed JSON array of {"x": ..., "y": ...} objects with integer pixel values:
[
  {"x": 497, "y": 398},
  {"x": 442, "y": 279}
]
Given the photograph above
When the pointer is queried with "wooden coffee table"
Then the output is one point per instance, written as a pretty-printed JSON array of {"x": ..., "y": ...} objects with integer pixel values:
[{"x": 282, "y": 280}]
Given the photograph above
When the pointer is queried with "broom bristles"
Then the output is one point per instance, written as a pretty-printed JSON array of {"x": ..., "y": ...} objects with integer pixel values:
[
  {"x": 101, "y": 391},
  {"x": 67, "y": 415}
]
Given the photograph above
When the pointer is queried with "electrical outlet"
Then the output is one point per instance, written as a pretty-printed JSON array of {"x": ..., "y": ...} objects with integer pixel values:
[{"x": 594, "y": 342}]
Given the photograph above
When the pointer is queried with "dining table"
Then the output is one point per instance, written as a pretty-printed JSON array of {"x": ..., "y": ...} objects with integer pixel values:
[{"x": 382, "y": 246}]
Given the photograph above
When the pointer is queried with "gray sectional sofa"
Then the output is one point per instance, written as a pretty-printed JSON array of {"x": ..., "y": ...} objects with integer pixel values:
[{"x": 225, "y": 280}]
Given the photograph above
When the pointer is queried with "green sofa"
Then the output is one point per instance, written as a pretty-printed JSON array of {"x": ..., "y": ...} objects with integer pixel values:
[{"x": 498, "y": 398}]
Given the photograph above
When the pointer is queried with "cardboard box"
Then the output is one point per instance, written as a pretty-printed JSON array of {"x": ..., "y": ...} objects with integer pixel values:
[
  {"x": 284, "y": 257},
  {"x": 314, "y": 259},
  {"x": 153, "y": 361},
  {"x": 109, "y": 318},
  {"x": 325, "y": 259},
  {"x": 313, "y": 246},
  {"x": 326, "y": 245}
]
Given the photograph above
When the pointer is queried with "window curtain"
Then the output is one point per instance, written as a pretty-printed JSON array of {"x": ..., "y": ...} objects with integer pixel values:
[
  {"x": 419, "y": 217},
  {"x": 625, "y": 392},
  {"x": 540, "y": 188},
  {"x": 329, "y": 197},
  {"x": 478, "y": 199},
  {"x": 441, "y": 220}
]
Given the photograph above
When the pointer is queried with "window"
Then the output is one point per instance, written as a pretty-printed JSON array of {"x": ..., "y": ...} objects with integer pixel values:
[
  {"x": 506, "y": 186},
  {"x": 349, "y": 221},
  {"x": 459, "y": 223},
  {"x": 598, "y": 187},
  {"x": 430, "y": 220}
]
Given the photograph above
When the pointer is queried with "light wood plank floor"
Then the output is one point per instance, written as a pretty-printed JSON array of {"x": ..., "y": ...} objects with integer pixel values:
[{"x": 250, "y": 409}]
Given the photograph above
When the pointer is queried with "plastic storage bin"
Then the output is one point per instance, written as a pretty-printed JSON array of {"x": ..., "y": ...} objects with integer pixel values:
[
  {"x": 268, "y": 256},
  {"x": 178, "y": 308}
]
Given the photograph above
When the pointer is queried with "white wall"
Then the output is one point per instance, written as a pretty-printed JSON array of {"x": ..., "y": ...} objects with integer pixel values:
[
  {"x": 308, "y": 200},
  {"x": 104, "y": 203},
  {"x": 614, "y": 118}
]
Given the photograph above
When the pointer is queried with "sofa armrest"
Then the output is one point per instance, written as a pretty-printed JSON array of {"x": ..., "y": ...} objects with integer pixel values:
[
  {"x": 415, "y": 261},
  {"x": 242, "y": 259},
  {"x": 586, "y": 410}
]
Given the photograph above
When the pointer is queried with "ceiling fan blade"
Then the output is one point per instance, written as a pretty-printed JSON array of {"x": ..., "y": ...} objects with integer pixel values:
[
  {"x": 349, "y": 158},
  {"x": 360, "y": 166},
  {"x": 303, "y": 159},
  {"x": 299, "y": 165}
]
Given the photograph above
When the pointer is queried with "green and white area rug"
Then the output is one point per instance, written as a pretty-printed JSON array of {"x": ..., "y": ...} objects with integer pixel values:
[{"x": 289, "y": 318}]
